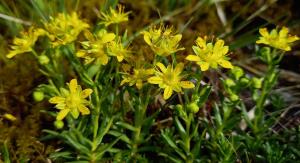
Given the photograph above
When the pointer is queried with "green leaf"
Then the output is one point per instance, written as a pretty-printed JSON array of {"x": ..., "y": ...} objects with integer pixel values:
[
  {"x": 5, "y": 153},
  {"x": 203, "y": 95},
  {"x": 172, "y": 158},
  {"x": 56, "y": 155},
  {"x": 180, "y": 128},
  {"x": 172, "y": 144},
  {"x": 72, "y": 141},
  {"x": 93, "y": 70},
  {"x": 218, "y": 115},
  {"x": 77, "y": 162},
  {"x": 105, "y": 148},
  {"x": 126, "y": 125},
  {"x": 105, "y": 126},
  {"x": 245, "y": 115},
  {"x": 122, "y": 136}
]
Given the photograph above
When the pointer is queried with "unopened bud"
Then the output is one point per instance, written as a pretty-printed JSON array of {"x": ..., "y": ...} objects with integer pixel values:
[
  {"x": 193, "y": 107},
  {"x": 237, "y": 72},
  {"x": 244, "y": 81},
  {"x": 43, "y": 60},
  {"x": 38, "y": 96},
  {"x": 59, "y": 124},
  {"x": 234, "y": 97},
  {"x": 229, "y": 82},
  {"x": 257, "y": 83}
]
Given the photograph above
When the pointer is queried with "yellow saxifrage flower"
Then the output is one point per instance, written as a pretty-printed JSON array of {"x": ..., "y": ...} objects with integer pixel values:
[
  {"x": 116, "y": 48},
  {"x": 162, "y": 40},
  {"x": 95, "y": 48},
  {"x": 170, "y": 79},
  {"x": 209, "y": 54},
  {"x": 280, "y": 40},
  {"x": 64, "y": 28},
  {"x": 114, "y": 16},
  {"x": 25, "y": 43},
  {"x": 138, "y": 77},
  {"x": 72, "y": 101}
]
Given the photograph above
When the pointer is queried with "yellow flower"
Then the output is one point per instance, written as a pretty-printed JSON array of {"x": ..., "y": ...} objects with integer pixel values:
[
  {"x": 114, "y": 16},
  {"x": 116, "y": 48},
  {"x": 162, "y": 40},
  {"x": 9, "y": 117},
  {"x": 25, "y": 43},
  {"x": 209, "y": 54},
  {"x": 138, "y": 77},
  {"x": 170, "y": 79},
  {"x": 280, "y": 40},
  {"x": 72, "y": 101},
  {"x": 65, "y": 28},
  {"x": 95, "y": 47}
]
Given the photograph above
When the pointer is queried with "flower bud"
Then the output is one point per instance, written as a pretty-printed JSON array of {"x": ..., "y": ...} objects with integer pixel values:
[
  {"x": 38, "y": 96},
  {"x": 244, "y": 81},
  {"x": 229, "y": 82},
  {"x": 234, "y": 97},
  {"x": 193, "y": 107},
  {"x": 256, "y": 82},
  {"x": 43, "y": 60},
  {"x": 179, "y": 110},
  {"x": 178, "y": 107},
  {"x": 237, "y": 72},
  {"x": 59, "y": 124}
]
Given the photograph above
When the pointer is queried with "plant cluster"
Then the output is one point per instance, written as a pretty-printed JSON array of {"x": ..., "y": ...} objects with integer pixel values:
[{"x": 113, "y": 104}]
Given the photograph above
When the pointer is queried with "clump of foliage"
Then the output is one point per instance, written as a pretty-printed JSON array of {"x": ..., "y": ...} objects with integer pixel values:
[{"x": 117, "y": 99}]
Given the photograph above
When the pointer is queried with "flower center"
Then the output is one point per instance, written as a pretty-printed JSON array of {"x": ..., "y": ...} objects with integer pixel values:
[
  {"x": 170, "y": 79},
  {"x": 73, "y": 101}
]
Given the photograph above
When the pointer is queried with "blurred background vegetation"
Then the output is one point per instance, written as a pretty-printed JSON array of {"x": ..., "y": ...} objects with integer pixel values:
[{"x": 235, "y": 21}]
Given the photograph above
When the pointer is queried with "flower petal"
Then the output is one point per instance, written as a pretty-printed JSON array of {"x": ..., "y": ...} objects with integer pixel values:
[
  {"x": 264, "y": 32},
  {"x": 283, "y": 32},
  {"x": 84, "y": 110},
  {"x": 81, "y": 53},
  {"x": 168, "y": 92},
  {"x": 194, "y": 58},
  {"x": 139, "y": 84},
  {"x": 75, "y": 113},
  {"x": 225, "y": 64},
  {"x": 201, "y": 42},
  {"x": 61, "y": 106},
  {"x": 204, "y": 66},
  {"x": 125, "y": 80},
  {"x": 178, "y": 68},
  {"x": 147, "y": 38},
  {"x": 177, "y": 38},
  {"x": 161, "y": 67},
  {"x": 103, "y": 59},
  {"x": 219, "y": 44},
  {"x": 292, "y": 38},
  {"x": 108, "y": 37},
  {"x": 155, "y": 80},
  {"x": 187, "y": 84},
  {"x": 57, "y": 100},
  {"x": 62, "y": 114},
  {"x": 73, "y": 86},
  {"x": 11, "y": 54},
  {"x": 85, "y": 93},
  {"x": 225, "y": 50}
]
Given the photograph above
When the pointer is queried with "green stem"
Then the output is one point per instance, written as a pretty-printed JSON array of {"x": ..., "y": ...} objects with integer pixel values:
[
  {"x": 266, "y": 88},
  {"x": 97, "y": 112},
  {"x": 138, "y": 122}
]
